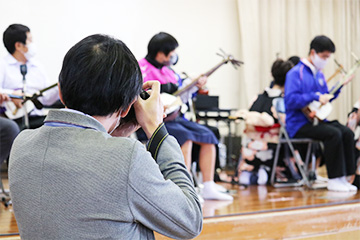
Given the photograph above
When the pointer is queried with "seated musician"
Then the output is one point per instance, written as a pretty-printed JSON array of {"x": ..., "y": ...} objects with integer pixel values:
[
  {"x": 18, "y": 42},
  {"x": 354, "y": 124},
  {"x": 156, "y": 66},
  {"x": 81, "y": 177},
  {"x": 306, "y": 83},
  {"x": 258, "y": 154},
  {"x": 8, "y": 131}
]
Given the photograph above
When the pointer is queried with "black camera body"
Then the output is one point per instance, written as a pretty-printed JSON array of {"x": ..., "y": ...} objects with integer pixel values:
[{"x": 131, "y": 114}]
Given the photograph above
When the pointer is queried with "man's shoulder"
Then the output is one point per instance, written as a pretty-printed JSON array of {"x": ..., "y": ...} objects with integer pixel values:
[
  {"x": 24, "y": 140},
  {"x": 3, "y": 63}
]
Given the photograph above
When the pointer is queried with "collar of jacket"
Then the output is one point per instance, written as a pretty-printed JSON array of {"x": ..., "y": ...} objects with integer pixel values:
[{"x": 73, "y": 118}]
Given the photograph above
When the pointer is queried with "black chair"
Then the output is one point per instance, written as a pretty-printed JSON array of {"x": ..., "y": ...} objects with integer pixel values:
[{"x": 308, "y": 176}]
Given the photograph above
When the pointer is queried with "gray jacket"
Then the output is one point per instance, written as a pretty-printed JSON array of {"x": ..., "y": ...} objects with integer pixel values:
[{"x": 81, "y": 183}]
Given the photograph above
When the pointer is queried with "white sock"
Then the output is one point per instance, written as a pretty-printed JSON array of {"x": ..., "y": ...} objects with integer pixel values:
[
  {"x": 262, "y": 177},
  {"x": 245, "y": 177},
  {"x": 211, "y": 193},
  {"x": 337, "y": 184},
  {"x": 349, "y": 185}
]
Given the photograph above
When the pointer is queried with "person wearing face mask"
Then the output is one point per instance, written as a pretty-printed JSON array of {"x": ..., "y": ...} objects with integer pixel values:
[
  {"x": 81, "y": 177},
  {"x": 305, "y": 83},
  {"x": 156, "y": 66},
  {"x": 18, "y": 41}
]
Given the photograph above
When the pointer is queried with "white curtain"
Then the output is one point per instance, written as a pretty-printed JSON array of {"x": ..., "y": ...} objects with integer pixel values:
[{"x": 285, "y": 28}]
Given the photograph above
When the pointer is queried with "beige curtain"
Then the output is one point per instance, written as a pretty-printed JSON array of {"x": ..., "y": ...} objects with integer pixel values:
[{"x": 285, "y": 28}]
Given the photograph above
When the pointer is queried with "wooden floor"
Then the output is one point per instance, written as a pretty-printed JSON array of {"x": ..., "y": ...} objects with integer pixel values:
[{"x": 264, "y": 212}]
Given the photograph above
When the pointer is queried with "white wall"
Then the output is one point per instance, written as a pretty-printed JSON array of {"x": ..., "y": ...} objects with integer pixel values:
[{"x": 201, "y": 28}]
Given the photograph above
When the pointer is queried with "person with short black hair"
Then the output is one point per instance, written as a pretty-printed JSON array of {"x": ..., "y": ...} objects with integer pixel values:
[
  {"x": 306, "y": 83},
  {"x": 258, "y": 154},
  {"x": 294, "y": 59},
  {"x": 156, "y": 66},
  {"x": 353, "y": 123},
  {"x": 18, "y": 41},
  {"x": 81, "y": 177}
]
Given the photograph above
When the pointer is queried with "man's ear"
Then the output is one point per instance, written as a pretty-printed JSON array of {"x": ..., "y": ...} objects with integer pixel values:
[
  {"x": 60, "y": 95},
  {"x": 312, "y": 52},
  {"x": 19, "y": 46},
  {"x": 126, "y": 111}
]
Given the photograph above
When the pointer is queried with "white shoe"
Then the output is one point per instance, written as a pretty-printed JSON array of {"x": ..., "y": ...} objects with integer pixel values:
[
  {"x": 351, "y": 187},
  {"x": 321, "y": 179},
  {"x": 337, "y": 185},
  {"x": 220, "y": 188},
  {"x": 262, "y": 177},
  {"x": 244, "y": 178},
  {"x": 211, "y": 193}
]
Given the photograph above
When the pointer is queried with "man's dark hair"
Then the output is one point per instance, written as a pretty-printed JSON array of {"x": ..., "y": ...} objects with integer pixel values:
[
  {"x": 294, "y": 60},
  {"x": 14, "y": 33},
  {"x": 161, "y": 42},
  {"x": 99, "y": 76},
  {"x": 321, "y": 44},
  {"x": 279, "y": 70}
]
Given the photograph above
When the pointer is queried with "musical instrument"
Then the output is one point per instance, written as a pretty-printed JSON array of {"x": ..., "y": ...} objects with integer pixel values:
[
  {"x": 316, "y": 111},
  {"x": 337, "y": 71},
  {"x": 13, "y": 112},
  {"x": 173, "y": 102}
]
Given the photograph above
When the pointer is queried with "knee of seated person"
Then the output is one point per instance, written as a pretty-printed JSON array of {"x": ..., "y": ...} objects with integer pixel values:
[
  {"x": 348, "y": 134},
  {"x": 335, "y": 134},
  {"x": 11, "y": 128}
]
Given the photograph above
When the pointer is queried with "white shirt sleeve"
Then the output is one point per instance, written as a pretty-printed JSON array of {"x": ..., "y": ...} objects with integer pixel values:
[{"x": 50, "y": 96}]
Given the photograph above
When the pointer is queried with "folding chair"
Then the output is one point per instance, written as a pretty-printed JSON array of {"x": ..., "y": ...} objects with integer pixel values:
[{"x": 308, "y": 176}]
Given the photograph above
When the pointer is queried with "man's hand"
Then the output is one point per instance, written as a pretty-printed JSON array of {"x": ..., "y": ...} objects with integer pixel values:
[
  {"x": 126, "y": 128},
  {"x": 4, "y": 98},
  {"x": 325, "y": 98},
  {"x": 150, "y": 112},
  {"x": 17, "y": 102},
  {"x": 201, "y": 82}
]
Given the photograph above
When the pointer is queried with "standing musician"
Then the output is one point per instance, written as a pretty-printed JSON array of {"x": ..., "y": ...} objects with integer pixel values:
[
  {"x": 19, "y": 43},
  {"x": 306, "y": 83},
  {"x": 155, "y": 66}
]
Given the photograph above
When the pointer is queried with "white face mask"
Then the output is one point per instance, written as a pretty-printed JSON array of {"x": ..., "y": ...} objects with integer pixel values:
[
  {"x": 31, "y": 51},
  {"x": 318, "y": 62},
  {"x": 117, "y": 124},
  {"x": 174, "y": 59}
]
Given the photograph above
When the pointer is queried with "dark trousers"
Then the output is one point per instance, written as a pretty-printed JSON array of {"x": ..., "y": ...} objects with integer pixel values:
[
  {"x": 338, "y": 142},
  {"x": 8, "y": 131}
]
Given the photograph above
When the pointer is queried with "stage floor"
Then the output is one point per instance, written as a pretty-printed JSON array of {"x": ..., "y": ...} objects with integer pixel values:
[
  {"x": 263, "y": 199},
  {"x": 248, "y": 201}
]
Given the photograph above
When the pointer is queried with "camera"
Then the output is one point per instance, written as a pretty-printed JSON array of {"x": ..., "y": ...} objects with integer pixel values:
[{"x": 131, "y": 117}]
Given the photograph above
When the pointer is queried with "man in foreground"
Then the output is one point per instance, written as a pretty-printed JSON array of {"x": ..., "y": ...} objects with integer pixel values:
[{"x": 78, "y": 177}]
